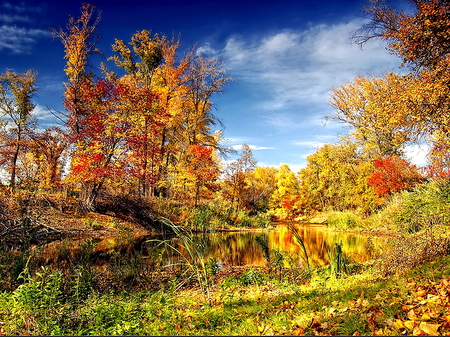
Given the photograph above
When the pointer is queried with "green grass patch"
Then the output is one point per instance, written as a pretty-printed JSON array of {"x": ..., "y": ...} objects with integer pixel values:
[{"x": 363, "y": 303}]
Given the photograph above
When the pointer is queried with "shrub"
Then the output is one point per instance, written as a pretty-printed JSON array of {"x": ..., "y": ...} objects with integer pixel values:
[
  {"x": 408, "y": 252},
  {"x": 252, "y": 277},
  {"x": 424, "y": 208},
  {"x": 36, "y": 306},
  {"x": 343, "y": 220}
]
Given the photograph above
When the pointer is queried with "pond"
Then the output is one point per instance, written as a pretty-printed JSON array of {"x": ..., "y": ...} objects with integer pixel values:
[
  {"x": 239, "y": 248},
  {"x": 250, "y": 247}
]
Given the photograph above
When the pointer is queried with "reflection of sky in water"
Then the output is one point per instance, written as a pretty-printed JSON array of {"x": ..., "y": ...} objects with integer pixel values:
[{"x": 242, "y": 248}]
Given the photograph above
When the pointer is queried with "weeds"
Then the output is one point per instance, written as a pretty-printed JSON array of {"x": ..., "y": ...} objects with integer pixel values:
[
  {"x": 338, "y": 263},
  {"x": 193, "y": 253}
]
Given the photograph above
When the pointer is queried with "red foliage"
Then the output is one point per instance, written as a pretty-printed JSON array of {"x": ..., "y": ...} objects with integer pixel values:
[
  {"x": 202, "y": 164},
  {"x": 393, "y": 174}
]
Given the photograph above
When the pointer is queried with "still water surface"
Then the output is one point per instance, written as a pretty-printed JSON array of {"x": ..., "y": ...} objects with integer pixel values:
[{"x": 244, "y": 248}]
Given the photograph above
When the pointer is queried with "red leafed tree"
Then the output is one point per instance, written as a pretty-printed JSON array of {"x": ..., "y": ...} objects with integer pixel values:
[
  {"x": 393, "y": 174},
  {"x": 203, "y": 168},
  {"x": 144, "y": 147},
  {"x": 99, "y": 135}
]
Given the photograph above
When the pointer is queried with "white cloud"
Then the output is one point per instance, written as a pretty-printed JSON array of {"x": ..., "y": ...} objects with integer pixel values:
[
  {"x": 296, "y": 69},
  {"x": 42, "y": 112},
  {"x": 253, "y": 147},
  {"x": 312, "y": 144},
  {"x": 13, "y": 18},
  {"x": 19, "y": 39}
]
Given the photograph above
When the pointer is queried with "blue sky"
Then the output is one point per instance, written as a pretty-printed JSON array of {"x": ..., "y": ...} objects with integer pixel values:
[{"x": 284, "y": 56}]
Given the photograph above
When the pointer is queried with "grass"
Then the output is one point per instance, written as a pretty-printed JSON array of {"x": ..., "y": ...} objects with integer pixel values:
[{"x": 362, "y": 303}]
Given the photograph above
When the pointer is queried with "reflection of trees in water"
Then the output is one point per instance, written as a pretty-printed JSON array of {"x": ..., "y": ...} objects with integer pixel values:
[
  {"x": 318, "y": 241},
  {"x": 242, "y": 248}
]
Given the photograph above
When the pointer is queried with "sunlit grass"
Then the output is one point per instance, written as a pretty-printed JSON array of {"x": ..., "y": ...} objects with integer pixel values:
[{"x": 362, "y": 303}]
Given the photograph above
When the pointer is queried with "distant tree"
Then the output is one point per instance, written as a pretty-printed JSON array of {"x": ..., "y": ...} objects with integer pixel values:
[
  {"x": 16, "y": 92},
  {"x": 261, "y": 183},
  {"x": 235, "y": 184},
  {"x": 380, "y": 112},
  {"x": 335, "y": 178},
  {"x": 50, "y": 146},
  {"x": 286, "y": 193}
]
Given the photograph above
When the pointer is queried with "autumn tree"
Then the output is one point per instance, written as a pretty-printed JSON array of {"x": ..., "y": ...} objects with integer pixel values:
[
  {"x": 393, "y": 174},
  {"x": 335, "y": 178},
  {"x": 379, "y": 112},
  {"x": 16, "y": 92},
  {"x": 197, "y": 179},
  {"x": 79, "y": 44},
  {"x": 421, "y": 39},
  {"x": 286, "y": 193},
  {"x": 438, "y": 161},
  {"x": 149, "y": 123},
  {"x": 184, "y": 88},
  {"x": 49, "y": 147},
  {"x": 193, "y": 116},
  {"x": 261, "y": 183},
  {"x": 235, "y": 186}
]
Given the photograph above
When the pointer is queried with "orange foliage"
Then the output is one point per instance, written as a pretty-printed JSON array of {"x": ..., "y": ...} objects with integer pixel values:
[{"x": 393, "y": 174}]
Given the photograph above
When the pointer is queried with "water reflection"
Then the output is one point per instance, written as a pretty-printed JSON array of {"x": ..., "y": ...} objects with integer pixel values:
[{"x": 244, "y": 248}]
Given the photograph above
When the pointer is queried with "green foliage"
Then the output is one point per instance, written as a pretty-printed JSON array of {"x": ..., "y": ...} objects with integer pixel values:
[
  {"x": 83, "y": 284},
  {"x": 343, "y": 220},
  {"x": 252, "y": 277},
  {"x": 35, "y": 307},
  {"x": 428, "y": 206},
  {"x": 109, "y": 315},
  {"x": 193, "y": 253}
]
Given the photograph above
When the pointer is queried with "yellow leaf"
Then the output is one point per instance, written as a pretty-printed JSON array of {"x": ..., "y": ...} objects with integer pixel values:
[
  {"x": 429, "y": 328},
  {"x": 410, "y": 324},
  {"x": 398, "y": 324},
  {"x": 379, "y": 333},
  {"x": 412, "y": 315}
]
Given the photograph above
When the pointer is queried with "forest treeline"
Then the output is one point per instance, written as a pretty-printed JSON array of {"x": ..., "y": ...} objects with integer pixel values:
[{"x": 146, "y": 129}]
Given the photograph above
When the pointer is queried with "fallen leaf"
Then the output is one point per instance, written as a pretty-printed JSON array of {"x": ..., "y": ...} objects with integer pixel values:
[
  {"x": 379, "y": 332},
  {"x": 429, "y": 328},
  {"x": 410, "y": 324},
  {"x": 398, "y": 324},
  {"x": 420, "y": 293},
  {"x": 412, "y": 315},
  {"x": 406, "y": 307},
  {"x": 298, "y": 332},
  {"x": 356, "y": 333},
  {"x": 417, "y": 331}
]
